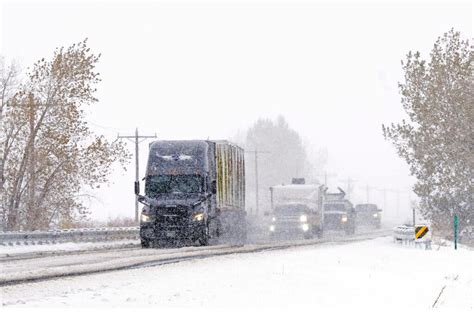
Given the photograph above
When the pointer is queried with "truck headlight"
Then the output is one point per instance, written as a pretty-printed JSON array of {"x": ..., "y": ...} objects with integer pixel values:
[
  {"x": 375, "y": 215},
  {"x": 145, "y": 218},
  {"x": 198, "y": 217},
  {"x": 274, "y": 219},
  {"x": 344, "y": 219},
  {"x": 303, "y": 218},
  {"x": 305, "y": 227},
  {"x": 272, "y": 228}
]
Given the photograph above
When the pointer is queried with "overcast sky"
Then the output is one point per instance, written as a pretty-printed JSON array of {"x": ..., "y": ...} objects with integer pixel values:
[{"x": 188, "y": 70}]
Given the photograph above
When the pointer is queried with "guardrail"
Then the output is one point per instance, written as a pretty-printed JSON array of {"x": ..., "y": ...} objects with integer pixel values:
[
  {"x": 406, "y": 235},
  {"x": 68, "y": 235}
]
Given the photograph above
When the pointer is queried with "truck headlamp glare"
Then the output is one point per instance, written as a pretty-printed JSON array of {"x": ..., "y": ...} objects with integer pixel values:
[
  {"x": 198, "y": 217},
  {"x": 303, "y": 218},
  {"x": 375, "y": 215},
  {"x": 274, "y": 219},
  {"x": 145, "y": 218},
  {"x": 344, "y": 219}
]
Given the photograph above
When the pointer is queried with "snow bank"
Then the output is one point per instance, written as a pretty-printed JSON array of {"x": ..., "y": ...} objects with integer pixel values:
[{"x": 375, "y": 274}]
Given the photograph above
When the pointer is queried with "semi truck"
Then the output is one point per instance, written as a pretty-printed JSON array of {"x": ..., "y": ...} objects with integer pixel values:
[
  {"x": 339, "y": 213},
  {"x": 368, "y": 215},
  {"x": 297, "y": 209},
  {"x": 194, "y": 193}
]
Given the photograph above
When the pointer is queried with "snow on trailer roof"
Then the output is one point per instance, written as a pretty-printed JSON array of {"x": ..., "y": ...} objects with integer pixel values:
[
  {"x": 294, "y": 202},
  {"x": 296, "y": 186}
]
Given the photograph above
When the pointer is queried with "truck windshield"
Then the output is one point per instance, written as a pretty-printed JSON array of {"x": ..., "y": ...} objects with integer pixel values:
[
  {"x": 291, "y": 209},
  {"x": 173, "y": 184},
  {"x": 334, "y": 207}
]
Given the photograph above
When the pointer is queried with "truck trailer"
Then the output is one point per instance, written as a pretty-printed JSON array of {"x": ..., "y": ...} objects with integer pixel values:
[{"x": 194, "y": 193}]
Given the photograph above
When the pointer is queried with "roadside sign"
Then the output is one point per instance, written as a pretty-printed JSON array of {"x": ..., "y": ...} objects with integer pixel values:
[
  {"x": 421, "y": 231},
  {"x": 455, "y": 232}
]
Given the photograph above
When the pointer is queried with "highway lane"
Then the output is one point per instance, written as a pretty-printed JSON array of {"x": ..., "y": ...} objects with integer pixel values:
[{"x": 42, "y": 268}]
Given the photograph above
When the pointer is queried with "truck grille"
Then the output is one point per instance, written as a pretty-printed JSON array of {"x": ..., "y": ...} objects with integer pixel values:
[{"x": 172, "y": 218}]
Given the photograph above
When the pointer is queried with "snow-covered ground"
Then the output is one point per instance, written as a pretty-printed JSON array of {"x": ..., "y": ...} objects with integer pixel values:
[{"x": 374, "y": 274}]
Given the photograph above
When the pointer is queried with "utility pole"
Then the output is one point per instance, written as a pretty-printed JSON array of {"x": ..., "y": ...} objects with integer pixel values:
[
  {"x": 385, "y": 200},
  {"x": 31, "y": 208},
  {"x": 367, "y": 189},
  {"x": 136, "y": 138},
  {"x": 398, "y": 202},
  {"x": 414, "y": 217},
  {"x": 256, "y": 181},
  {"x": 326, "y": 175},
  {"x": 349, "y": 187},
  {"x": 256, "y": 152}
]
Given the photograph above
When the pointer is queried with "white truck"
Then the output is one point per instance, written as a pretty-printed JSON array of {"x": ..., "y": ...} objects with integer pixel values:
[{"x": 296, "y": 209}]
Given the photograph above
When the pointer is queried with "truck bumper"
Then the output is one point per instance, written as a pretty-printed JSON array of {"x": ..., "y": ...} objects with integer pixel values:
[
  {"x": 290, "y": 228},
  {"x": 156, "y": 232}
]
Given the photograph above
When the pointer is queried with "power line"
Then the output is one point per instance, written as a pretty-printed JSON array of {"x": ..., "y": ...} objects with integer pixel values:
[
  {"x": 136, "y": 138},
  {"x": 108, "y": 128},
  {"x": 326, "y": 175}
]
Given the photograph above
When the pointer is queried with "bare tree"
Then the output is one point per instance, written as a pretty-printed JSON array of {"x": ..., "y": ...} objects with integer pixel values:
[
  {"x": 438, "y": 140},
  {"x": 52, "y": 153},
  {"x": 9, "y": 81}
]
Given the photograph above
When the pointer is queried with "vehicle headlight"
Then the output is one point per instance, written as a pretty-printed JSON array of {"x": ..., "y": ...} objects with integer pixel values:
[
  {"x": 272, "y": 228},
  {"x": 303, "y": 218},
  {"x": 145, "y": 218},
  {"x": 376, "y": 215},
  {"x": 198, "y": 217},
  {"x": 305, "y": 227},
  {"x": 344, "y": 219},
  {"x": 274, "y": 219}
]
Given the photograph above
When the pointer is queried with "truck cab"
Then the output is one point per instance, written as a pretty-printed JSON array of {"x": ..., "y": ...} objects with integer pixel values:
[
  {"x": 296, "y": 209},
  {"x": 194, "y": 190},
  {"x": 339, "y": 213},
  {"x": 368, "y": 215}
]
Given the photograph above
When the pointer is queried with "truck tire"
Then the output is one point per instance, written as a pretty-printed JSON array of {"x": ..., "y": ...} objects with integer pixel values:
[
  {"x": 243, "y": 235},
  {"x": 242, "y": 232},
  {"x": 203, "y": 239},
  {"x": 145, "y": 244},
  {"x": 350, "y": 230},
  {"x": 238, "y": 231},
  {"x": 319, "y": 233}
]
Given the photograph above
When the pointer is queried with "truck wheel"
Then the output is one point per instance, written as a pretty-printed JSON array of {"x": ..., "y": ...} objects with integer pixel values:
[
  {"x": 350, "y": 230},
  {"x": 204, "y": 236},
  {"x": 214, "y": 231},
  {"x": 242, "y": 236},
  {"x": 242, "y": 231},
  {"x": 319, "y": 233},
  {"x": 145, "y": 244}
]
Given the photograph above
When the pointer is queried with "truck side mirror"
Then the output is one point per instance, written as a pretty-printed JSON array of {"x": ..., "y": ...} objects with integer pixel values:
[
  {"x": 214, "y": 187},
  {"x": 137, "y": 188}
]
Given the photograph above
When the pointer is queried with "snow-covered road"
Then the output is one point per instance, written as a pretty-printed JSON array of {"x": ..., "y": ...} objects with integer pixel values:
[{"x": 375, "y": 273}]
